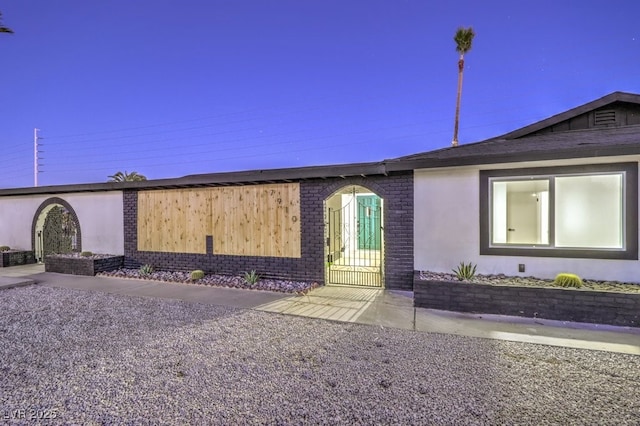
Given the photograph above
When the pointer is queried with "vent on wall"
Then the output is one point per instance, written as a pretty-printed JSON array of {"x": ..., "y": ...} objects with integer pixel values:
[{"x": 605, "y": 118}]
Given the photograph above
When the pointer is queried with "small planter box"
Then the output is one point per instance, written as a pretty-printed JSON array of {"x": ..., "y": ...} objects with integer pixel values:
[
  {"x": 16, "y": 257},
  {"x": 600, "y": 307},
  {"x": 78, "y": 265}
]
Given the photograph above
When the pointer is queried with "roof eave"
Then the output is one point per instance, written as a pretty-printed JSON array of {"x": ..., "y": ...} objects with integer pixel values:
[
  {"x": 477, "y": 160},
  {"x": 214, "y": 179}
]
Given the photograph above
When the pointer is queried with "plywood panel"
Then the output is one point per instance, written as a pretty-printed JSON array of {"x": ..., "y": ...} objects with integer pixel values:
[
  {"x": 150, "y": 220},
  {"x": 259, "y": 220},
  {"x": 218, "y": 223},
  {"x": 144, "y": 224},
  {"x": 173, "y": 221},
  {"x": 197, "y": 225},
  {"x": 252, "y": 220}
]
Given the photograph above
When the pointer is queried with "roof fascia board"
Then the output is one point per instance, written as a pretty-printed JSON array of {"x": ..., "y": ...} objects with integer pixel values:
[
  {"x": 243, "y": 177},
  {"x": 514, "y": 158}
]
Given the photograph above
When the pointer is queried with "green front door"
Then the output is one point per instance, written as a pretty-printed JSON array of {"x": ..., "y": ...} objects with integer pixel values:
[{"x": 369, "y": 222}]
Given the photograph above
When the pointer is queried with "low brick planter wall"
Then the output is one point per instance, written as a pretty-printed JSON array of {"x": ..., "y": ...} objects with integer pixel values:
[
  {"x": 578, "y": 305},
  {"x": 15, "y": 258},
  {"x": 82, "y": 265}
]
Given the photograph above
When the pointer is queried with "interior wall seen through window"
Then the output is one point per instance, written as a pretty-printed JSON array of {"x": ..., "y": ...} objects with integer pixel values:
[
  {"x": 520, "y": 212},
  {"x": 589, "y": 211}
]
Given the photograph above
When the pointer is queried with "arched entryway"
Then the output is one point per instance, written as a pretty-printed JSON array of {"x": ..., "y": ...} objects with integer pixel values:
[
  {"x": 55, "y": 229},
  {"x": 354, "y": 237}
]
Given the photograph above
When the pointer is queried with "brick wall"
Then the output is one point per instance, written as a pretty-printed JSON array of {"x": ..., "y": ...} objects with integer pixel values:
[
  {"x": 14, "y": 258},
  {"x": 81, "y": 265},
  {"x": 550, "y": 303},
  {"x": 397, "y": 192}
]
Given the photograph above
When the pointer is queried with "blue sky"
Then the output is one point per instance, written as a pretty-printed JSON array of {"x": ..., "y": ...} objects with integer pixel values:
[{"x": 172, "y": 88}]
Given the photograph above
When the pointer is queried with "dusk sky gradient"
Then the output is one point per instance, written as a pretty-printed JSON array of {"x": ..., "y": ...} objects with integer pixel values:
[{"x": 173, "y": 88}]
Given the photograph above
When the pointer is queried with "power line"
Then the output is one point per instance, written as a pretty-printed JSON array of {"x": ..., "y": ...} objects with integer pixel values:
[{"x": 217, "y": 116}]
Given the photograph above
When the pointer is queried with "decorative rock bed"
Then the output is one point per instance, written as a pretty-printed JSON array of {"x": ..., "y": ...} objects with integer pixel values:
[
  {"x": 617, "y": 304},
  {"x": 230, "y": 281},
  {"x": 75, "y": 264},
  {"x": 16, "y": 257}
]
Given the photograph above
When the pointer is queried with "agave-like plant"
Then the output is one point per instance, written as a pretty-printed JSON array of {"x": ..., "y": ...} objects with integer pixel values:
[
  {"x": 146, "y": 270},
  {"x": 251, "y": 277},
  {"x": 465, "y": 271}
]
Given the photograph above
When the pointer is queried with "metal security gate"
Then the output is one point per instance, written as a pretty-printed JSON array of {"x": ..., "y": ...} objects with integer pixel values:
[
  {"x": 355, "y": 243},
  {"x": 56, "y": 232}
]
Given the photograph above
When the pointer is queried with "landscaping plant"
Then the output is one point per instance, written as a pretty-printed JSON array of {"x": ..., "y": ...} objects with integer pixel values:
[
  {"x": 568, "y": 280},
  {"x": 146, "y": 270},
  {"x": 197, "y": 275},
  {"x": 465, "y": 271},
  {"x": 251, "y": 277},
  {"x": 5, "y": 248}
]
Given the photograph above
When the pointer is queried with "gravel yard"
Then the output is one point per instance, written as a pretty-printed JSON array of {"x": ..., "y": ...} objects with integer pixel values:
[{"x": 93, "y": 358}]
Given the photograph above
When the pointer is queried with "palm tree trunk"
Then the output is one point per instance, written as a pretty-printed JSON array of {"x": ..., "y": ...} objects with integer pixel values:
[{"x": 455, "y": 125}]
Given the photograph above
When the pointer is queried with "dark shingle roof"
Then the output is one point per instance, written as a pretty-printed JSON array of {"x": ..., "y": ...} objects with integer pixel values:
[
  {"x": 216, "y": 179},
  {"x": 574, "y": 144}
]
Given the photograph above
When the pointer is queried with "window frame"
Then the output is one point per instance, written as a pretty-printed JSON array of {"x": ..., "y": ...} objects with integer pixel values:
[{"x": 630, "y": 212}]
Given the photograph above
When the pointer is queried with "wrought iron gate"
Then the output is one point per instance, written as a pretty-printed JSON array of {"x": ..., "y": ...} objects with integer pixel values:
[
  {"x": 355, "y": 244},
  {"x": 57, "y": 234}
]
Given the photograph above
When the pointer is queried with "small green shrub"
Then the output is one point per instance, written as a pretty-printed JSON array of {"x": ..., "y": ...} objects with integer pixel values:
[
  {"x": 86, "y": 254},
  {"x": 568, "y": 280},
  {"x": 251, "y": 277},
  {"x": 146, "y": 270},
  {"x": 5, "y": 248},
  {"x": 465, "y": 271},
  {"x": 197, "y": 275}
]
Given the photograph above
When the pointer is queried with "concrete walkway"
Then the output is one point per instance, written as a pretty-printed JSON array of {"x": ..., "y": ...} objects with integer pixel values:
[{"x": 348, "y": 304}]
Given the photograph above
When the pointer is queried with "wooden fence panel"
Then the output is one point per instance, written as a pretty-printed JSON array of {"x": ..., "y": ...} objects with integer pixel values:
[{"x": 252, "y": 220}]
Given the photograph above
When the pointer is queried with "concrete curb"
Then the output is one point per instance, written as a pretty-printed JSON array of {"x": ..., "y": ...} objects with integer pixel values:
[{"x": 10, "y": 282}]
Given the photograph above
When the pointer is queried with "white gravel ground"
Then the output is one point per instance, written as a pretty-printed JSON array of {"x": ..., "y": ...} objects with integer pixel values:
[{"x": 93, "y": 358}]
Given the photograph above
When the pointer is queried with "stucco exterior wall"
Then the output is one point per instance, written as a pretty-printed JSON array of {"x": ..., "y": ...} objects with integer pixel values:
[
  {"x": 100, "y": 216},
  {"x": 447, "y": 228},
  {"x": 16, "y": 217}
]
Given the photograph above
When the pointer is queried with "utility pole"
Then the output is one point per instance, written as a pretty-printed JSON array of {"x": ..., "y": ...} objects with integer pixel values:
[{"x": 35, "y": 156}]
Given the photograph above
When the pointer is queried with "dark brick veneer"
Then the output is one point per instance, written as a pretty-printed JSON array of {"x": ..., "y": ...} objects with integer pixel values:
[
  {"x": 396, "y": 191},
  {"x": 550, "y": 303},
  {"x": 16, "y": 257},
  {"x": 82, "y": 265}
]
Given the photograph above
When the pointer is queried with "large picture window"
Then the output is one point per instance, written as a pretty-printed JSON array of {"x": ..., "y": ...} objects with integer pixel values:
[{"x": 575, "y": 211}]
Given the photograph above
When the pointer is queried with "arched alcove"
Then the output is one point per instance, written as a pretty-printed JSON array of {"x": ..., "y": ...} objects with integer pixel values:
[
  {"x": 55, "y": 229},
  {"x": 355, "y": 238}
]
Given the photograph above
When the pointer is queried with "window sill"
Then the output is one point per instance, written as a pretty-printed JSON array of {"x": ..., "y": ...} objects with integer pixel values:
[{"x": 560, "y": 252}]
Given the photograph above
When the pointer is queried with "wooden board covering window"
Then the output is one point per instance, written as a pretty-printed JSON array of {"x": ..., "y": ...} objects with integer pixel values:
[{"x": 256, "y": 220}]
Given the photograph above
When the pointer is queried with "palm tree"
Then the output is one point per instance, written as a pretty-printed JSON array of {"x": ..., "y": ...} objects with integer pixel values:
[
  {"x": 4, "y": 29},
  {"x": 463, "y": 39},
  {"x": 127, "y": 177}
]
